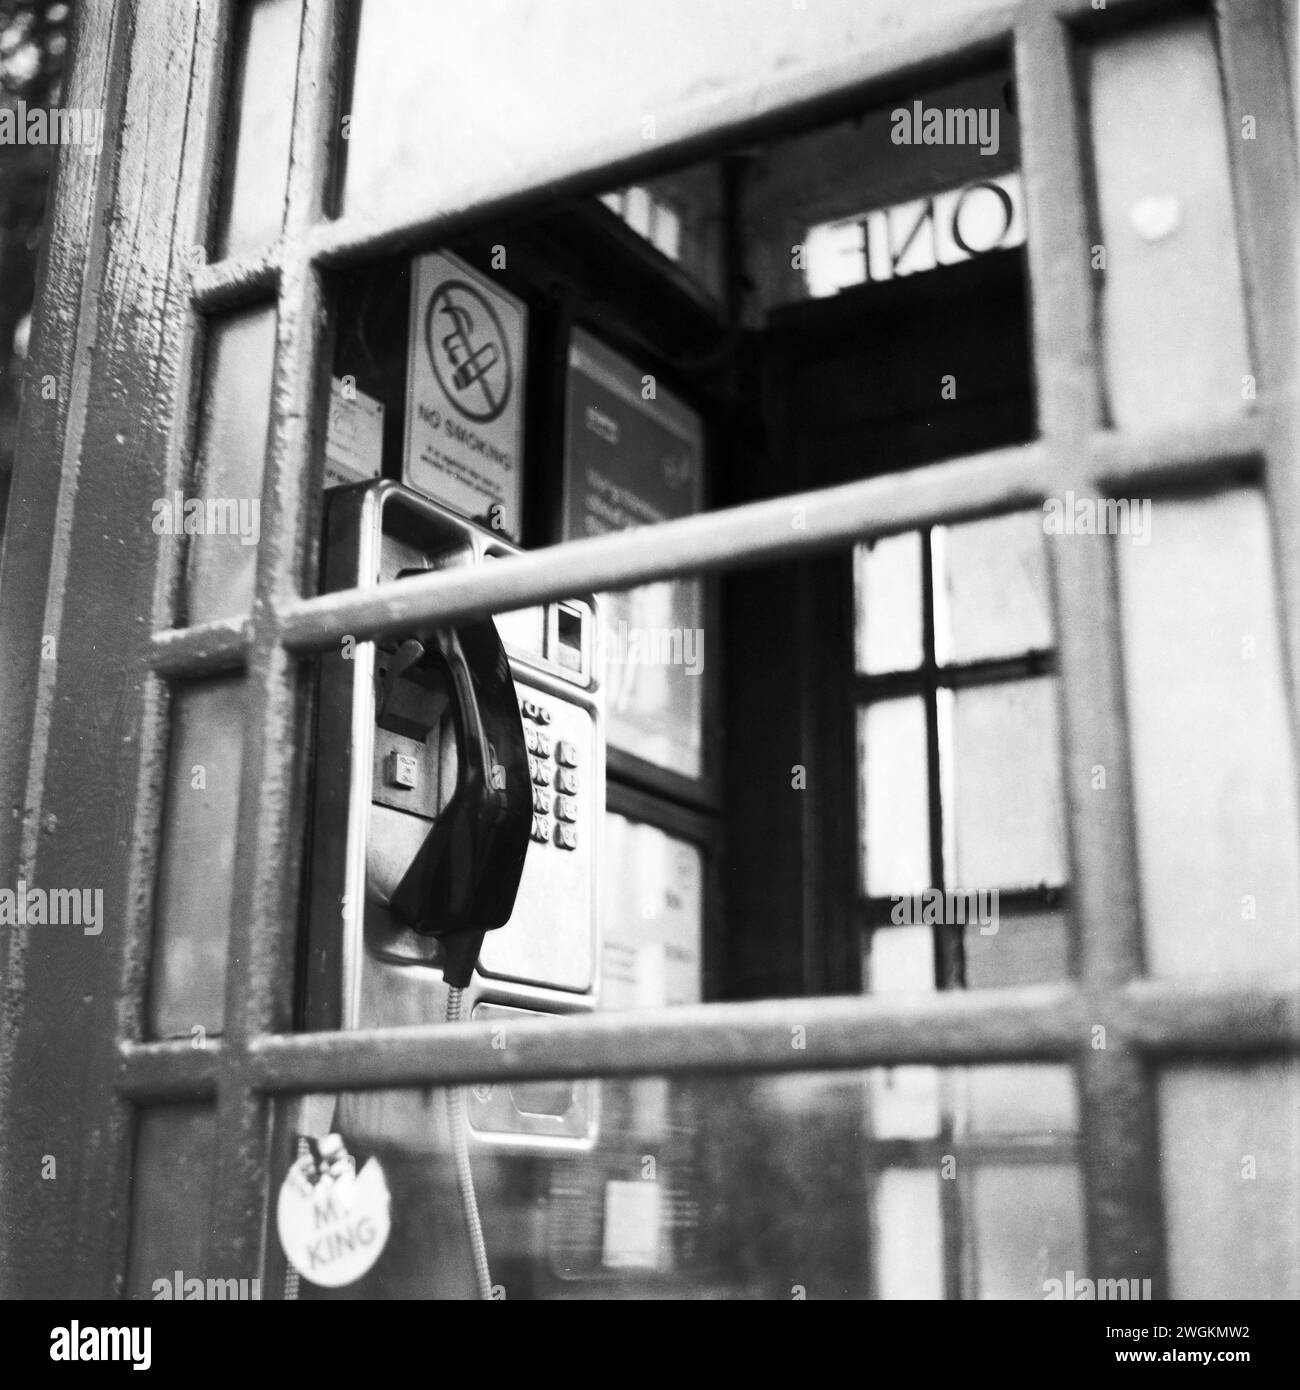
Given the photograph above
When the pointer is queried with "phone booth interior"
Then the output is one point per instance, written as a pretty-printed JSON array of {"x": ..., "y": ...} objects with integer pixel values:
[{"x": 661, "y": 353}]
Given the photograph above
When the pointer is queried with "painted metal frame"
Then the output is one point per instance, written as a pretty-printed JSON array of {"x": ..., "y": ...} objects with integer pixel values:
[{"x": 140, "y": 304}]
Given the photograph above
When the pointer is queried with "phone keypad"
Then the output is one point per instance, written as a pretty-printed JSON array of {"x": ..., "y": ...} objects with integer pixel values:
[{"x": 544, "y": 773}]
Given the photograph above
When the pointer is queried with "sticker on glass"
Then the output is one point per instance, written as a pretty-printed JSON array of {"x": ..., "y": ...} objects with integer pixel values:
[{"x": 333, "y": 1221}]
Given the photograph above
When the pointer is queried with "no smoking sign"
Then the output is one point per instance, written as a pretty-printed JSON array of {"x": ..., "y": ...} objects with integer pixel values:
[{"x": 465, "y": 380}]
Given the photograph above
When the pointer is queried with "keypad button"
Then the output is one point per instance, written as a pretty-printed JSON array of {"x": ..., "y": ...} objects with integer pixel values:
[
  {"x": 530, "y": 740},
  {"x": 528, "y": 709},
  {"x": 566, "y": 808},
  {"x": 567, "y": 780},
  {"x": 539, "y": 771},
  {"x": 566, "y": 753},
  {"x": 566, "y": 837},
  {"x": 541, "y": 801},
  {"x": 543, "y": 715},
  {"x": 541, "y": 831},
  {"x": 543, "y": 743}
]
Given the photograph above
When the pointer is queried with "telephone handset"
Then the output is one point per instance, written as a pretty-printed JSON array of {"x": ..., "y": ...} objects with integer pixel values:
[
  {"x": 457, "y": 787},
  {"x": 464, "y": 879}
]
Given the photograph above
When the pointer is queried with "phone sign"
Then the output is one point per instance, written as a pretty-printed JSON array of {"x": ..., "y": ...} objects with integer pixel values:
[{"x": 464, "y": 419}]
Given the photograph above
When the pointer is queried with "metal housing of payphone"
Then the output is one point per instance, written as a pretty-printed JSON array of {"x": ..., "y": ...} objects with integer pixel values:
[{"x": 378, "y": 786}]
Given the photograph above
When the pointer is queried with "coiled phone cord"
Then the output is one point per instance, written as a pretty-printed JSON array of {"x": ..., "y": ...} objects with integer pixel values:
[{"x": 459, "y": 1126}]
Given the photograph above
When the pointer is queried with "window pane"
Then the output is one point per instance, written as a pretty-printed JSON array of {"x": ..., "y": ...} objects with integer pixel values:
[
  {"x": 171, "y": 1195},
  {"x": 1028, "y": 949},
  {"x": 887, "y": 585},
  {"x": 654, "y": 893},
  {"x": 220, "y": 518},
  {"x": 420, "y": 126},
  {"x": 196, "y": 866},
  {"x": 893, "y": 799},
  {"x": 1172, "y": 318},
  {"x": 1230, "y": 1151},
  {"x": 1213, "y": 762},
  {"x": 652, "y": 655},
  {"x": 634, "y": 460},
  {"x": 705, "y": 1187},
  {"x": 909, "y": 1234},
  {"x": 1027, "y": 1227},
  {"x": 904, "y": 1103},
  {"x": 260, "y": 126},
  {"x": 1003, "y": 822},
  {"x": 990, "y": 588},
  {"x": 1017, "y": 1099},
  {"x": 901, "y": 961},
  {"x": 752, "y": 1184}
]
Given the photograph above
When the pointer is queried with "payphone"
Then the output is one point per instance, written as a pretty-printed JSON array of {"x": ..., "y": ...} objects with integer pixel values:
[{"x": 457, "y": 813}]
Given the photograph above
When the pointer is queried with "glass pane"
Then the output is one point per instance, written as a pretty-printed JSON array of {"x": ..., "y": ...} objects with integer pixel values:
[
  {"x": 1026, "y": 1225},
  {"x": 653, "y": 896},
  {"x": 1003, "y": 819},
  {"x": 221, "y": 518},
  {"x": 1028, "y": 949},
  {"x": 418, "y": 124},
  {"x": 1230, "y": 1151},
  {"x": 901, "y": 961},
  {"x": 260, "y": 126},
  {"x": 1172, "y": 317},
  {"x": 634, "y": 456},
  {"x": 1017, "y": 1099},
  {"x": 904, "y": 1103},
  {"x": 888, "y": 603},
  {"x": 990, "y": 588},
  {"x": 1213, "y": 763},
  {"x": 196, "y": 865},
  {"x": 909, "y": 1234},
  {"x": 703, "y": 1187},
  {"x": 171, "y": 1195},
  {"x": 893, "y": 798},
  {"x": 652, "y": 660}
]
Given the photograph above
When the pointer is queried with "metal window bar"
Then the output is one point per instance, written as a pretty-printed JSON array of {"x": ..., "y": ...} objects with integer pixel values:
[{"x": 1145, "y": 1018}]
